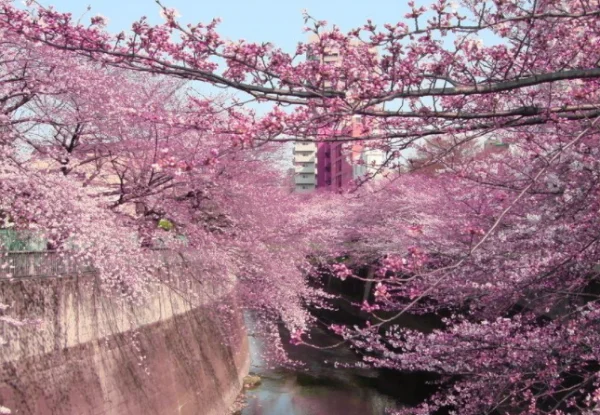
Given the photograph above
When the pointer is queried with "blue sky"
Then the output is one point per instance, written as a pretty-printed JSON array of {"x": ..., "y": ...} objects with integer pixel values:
[{"x": 277, "y": 21}]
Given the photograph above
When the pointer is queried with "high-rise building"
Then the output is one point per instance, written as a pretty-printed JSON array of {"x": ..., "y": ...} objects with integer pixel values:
[
  {"x": 308, "y": 175},
  {"x": 336, "y": 162},
  {"x": 371, "y": 161},
  {"x": 305, "y": 166},
  {"x": 331, "y": 165}
]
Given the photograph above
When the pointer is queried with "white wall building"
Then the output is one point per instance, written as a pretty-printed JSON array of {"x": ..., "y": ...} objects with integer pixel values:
[
  {"x": 305, "y": 166},
  {"x": 370, "y": 164}
]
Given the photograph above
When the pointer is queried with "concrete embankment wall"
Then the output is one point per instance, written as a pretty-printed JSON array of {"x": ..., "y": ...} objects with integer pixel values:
[{"x": 94, "y": 354}]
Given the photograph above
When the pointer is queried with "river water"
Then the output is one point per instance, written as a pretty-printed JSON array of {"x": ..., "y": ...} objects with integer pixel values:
[{"x": 319, "y": 387}]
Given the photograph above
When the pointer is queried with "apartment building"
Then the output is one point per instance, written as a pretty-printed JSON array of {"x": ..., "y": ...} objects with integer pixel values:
[
  {"x": 305, "y": 166},
  {"x": 332, "y": 165},
  {"x": 370, "y": 164}
]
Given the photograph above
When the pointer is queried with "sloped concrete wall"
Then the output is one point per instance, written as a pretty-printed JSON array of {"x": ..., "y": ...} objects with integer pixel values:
[{"x": 172, "y": 353}]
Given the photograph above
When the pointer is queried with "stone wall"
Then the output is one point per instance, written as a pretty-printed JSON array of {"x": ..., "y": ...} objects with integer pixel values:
[{"x": 94, "y": 354}]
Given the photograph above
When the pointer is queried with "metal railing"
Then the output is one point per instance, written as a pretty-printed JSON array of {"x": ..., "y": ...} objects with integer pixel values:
[{"x": 22, "y": 264}]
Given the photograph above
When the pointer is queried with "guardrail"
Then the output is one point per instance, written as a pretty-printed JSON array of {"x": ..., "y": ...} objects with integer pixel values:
[
  {"x": 25, "y": 264},
  {"x": 22, "y": 264}
]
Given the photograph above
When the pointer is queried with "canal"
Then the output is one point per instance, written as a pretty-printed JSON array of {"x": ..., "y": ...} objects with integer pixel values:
[{"x": 328, "y": 383}]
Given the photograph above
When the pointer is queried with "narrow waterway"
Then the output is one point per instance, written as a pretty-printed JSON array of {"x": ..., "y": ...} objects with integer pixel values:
[
  {"x": 318, "y": 388},
  {"x": 283, "y": 394}
]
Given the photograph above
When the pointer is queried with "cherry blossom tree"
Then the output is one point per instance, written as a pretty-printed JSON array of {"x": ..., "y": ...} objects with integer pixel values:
[
  {"x": 504, "y": 244},
  {"x": 109, "y": 165}
]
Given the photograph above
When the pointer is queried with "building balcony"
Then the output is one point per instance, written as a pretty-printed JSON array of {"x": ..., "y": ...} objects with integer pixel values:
[
  {"x": 301, "y": 146},
  {"x": 305, "y": 158},
  {"x": 308, "y": 168},
  {"x": 305, "y": 179},
  {"x": 305, "y": 188}
]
